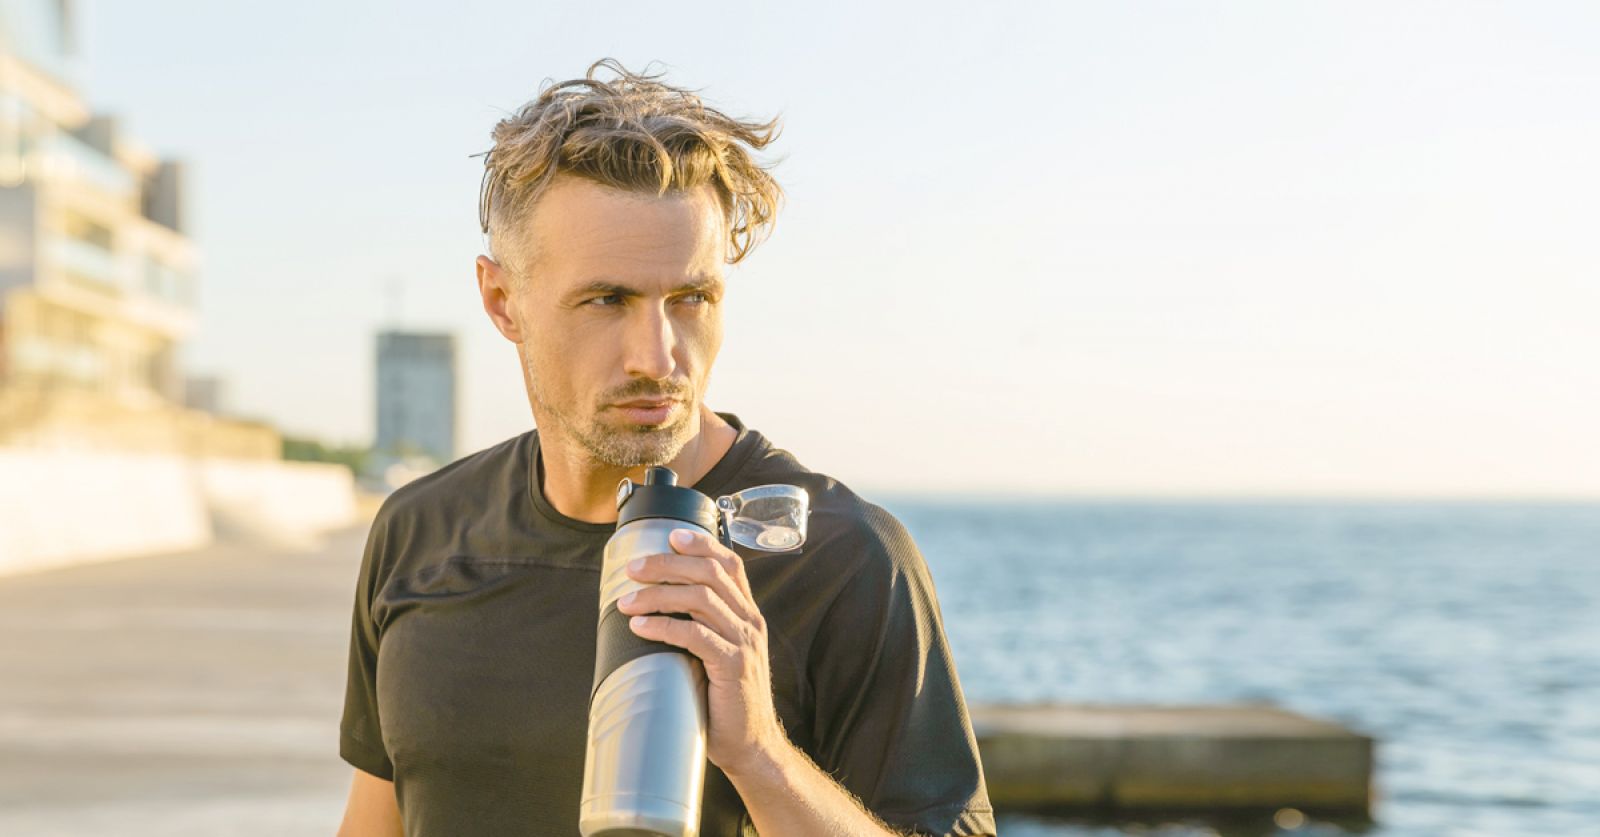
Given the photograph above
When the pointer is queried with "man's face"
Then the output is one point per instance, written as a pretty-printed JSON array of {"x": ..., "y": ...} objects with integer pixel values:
[{"x": 621, "y": 302}]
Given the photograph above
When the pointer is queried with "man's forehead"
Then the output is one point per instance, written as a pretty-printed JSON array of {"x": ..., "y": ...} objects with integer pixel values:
[
  {"x": 574, "y": 208},
  {"x": 591, "y": 235}
]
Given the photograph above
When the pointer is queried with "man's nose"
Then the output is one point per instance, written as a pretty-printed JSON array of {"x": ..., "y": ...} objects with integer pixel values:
[{"x": 650, "y": 342}]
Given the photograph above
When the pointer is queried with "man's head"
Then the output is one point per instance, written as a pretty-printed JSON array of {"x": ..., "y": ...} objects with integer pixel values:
[{"x": 610, "y": 209}]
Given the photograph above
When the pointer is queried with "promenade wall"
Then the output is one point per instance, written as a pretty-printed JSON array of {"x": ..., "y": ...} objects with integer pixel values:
[{"x": 60, "y": 507}]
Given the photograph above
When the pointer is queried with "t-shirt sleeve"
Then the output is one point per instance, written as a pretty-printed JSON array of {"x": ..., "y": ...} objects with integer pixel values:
[
  {"x": 891, "y": 723},
  {"x": 360, "y": 735}
]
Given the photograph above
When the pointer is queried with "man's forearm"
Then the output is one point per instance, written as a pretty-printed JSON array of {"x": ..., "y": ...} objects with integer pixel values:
[{"x": 788, "y": 795}]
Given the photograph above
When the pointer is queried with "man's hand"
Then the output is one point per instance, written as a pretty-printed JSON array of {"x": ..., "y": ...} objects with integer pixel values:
[
  {"x": 785, "y": 793},
  {"x": 707, "y": 580}
]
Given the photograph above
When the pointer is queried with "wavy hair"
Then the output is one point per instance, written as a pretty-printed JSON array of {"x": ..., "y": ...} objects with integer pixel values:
[{"x": 632, "y": 133}]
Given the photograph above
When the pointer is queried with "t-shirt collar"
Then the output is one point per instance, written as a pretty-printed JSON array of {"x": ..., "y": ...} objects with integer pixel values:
[{"x": 713, "y": 483}]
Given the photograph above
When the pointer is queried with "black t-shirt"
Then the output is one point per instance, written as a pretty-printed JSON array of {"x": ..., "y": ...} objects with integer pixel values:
[{"x": 472, "y": 652}]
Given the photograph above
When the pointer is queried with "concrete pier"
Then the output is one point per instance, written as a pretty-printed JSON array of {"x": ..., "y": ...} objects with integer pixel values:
[
  {"x": 187, "y": 694},
  {"x": 1131, "y": 758}
]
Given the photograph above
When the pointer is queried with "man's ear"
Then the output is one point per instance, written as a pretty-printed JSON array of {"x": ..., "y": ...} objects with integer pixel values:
[{"x": 494, "y": 285}]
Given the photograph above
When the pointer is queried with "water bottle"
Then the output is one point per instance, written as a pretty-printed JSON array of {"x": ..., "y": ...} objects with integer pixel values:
[{"x": 644, "y": 766}]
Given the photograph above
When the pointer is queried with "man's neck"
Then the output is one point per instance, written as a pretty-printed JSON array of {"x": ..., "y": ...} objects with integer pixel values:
[{"x": 585, "y": 490}]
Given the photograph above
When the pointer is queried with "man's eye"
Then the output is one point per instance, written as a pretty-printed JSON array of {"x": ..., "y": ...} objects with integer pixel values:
[
  {"x": 602, "y": 300},
  {"x": 696, "y": 297}
]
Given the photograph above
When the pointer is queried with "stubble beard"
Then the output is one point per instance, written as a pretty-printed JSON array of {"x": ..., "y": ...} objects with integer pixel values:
[
  {"x": 635, "y": 445},
  {"x": 626, "y": 445}
]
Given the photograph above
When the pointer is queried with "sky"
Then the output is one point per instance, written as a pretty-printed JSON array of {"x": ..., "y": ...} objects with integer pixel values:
[{"x": 1224, "y": 249}]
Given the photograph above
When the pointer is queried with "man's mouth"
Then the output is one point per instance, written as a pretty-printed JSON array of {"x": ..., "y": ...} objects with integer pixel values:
[{"x": 647, "y": 411}]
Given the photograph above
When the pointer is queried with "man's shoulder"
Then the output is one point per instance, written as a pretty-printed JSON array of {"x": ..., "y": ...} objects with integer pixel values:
[
  {"x": 862, "y": 524},
  {"x": 446, "y": 493},
  {"x": 845, "y": 529},
  {"x": 865, "y": 541}
]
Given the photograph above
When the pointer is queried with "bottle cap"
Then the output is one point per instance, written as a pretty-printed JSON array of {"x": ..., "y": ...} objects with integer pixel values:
[{"x": 660, "y": 496}]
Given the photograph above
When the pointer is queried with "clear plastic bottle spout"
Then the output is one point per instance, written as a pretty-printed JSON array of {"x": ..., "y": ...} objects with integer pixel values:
[{"x": 766, "y": 517}]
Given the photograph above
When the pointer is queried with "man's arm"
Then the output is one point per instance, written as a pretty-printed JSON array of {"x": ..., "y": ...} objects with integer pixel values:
[
  {"x": 786, "y": 793},
  {"x": 372, "y": 810}
]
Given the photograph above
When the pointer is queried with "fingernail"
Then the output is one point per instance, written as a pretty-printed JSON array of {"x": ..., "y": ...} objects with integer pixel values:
[
  {"x": 636, "y": 564},
  {"x": 636, "y": 622},
  {"x": 682, "y": 536},
  {"x": 628, "y": 599}
]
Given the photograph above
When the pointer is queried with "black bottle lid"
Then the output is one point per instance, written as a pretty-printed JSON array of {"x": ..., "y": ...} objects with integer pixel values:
[{"x": 661, "y": 496}]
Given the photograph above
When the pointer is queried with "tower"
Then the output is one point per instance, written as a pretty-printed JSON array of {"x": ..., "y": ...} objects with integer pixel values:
[{"x": 416, "y": 397}]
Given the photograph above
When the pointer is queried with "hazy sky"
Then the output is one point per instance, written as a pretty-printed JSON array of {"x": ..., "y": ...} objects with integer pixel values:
[{"x": 1247, "y": 247}]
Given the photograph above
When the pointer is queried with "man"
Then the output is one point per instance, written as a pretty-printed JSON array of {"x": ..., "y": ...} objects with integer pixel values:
[{"x": 833, "y": 704}]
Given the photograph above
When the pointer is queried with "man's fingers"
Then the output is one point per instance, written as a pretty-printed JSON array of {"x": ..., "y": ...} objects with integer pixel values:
[
  {"x": 718, "y": 654},
  {"x": 694, "y": 599},
  {"x": 691, "y": 542},
  {"x": 672, "y": 568}
]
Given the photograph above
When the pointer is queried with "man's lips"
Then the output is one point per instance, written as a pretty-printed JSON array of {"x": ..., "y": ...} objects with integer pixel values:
[{"x": 644, "y": 411}]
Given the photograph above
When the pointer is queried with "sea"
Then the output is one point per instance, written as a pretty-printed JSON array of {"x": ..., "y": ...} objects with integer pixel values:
[{"x": 1464, "y": 636}]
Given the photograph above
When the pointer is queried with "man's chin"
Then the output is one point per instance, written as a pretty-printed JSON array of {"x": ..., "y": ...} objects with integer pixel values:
[
  {"x": 629, "y": 444},
  {"x": 625, "y": 428}
]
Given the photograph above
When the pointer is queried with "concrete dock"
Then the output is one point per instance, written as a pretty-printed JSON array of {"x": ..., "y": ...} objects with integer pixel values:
[
  {"x": 1134, "y": 758},
  {"x": 190, "y": 694}
]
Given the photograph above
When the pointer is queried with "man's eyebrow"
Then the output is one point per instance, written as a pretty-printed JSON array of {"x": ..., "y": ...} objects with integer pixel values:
[
  {"x": 603, "y": 287},
  {"x": 607, "y": 286}
]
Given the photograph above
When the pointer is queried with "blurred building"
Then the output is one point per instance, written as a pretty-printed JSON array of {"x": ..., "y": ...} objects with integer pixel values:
[
  {"x": 416, "y": 397},
  {"x": 207, "y": 393},
  {"x": 98, "y": 284}
]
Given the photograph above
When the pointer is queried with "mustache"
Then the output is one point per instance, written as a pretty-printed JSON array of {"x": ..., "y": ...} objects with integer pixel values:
[{"x": 649, "y": 390}]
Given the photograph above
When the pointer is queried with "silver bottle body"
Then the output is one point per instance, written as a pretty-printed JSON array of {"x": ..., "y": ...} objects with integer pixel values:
[{"x": 644, "y": 766}]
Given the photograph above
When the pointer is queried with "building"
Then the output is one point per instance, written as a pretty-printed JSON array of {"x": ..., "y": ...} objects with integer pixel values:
[
  {"x": 206, "y": 393},
  {"x": 416, "y": 397},
  {"x": 99, "y": 456},
  {"x": 98, "y": 284}
]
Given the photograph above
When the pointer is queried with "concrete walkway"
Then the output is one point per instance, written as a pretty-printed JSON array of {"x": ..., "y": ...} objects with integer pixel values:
[{"x": 177, "y": 695}]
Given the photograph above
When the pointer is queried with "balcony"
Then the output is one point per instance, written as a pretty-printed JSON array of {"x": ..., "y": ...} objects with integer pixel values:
[
  {"x": 66, "y": 156},
  {"x": 86, "y": 263},
  {"x": 168, "y": 284}
]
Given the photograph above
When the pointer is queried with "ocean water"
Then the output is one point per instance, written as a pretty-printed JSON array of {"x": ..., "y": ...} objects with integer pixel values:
[{"x": 1463, "y": 636}]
